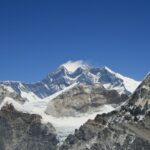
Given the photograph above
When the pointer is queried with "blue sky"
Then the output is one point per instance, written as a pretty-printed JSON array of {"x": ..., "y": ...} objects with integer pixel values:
[{"x": 37, "y": 36}]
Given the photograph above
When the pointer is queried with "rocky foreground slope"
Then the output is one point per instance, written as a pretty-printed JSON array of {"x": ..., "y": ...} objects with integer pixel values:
[
  {"x": 21, "y": 131},
  {"x": 127, "y": 128}
]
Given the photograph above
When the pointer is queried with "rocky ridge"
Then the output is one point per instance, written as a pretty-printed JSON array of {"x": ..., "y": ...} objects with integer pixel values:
[{"x": 127, "y": 128}]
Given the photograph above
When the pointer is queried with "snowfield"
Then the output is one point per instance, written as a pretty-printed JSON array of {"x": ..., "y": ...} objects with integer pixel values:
[{"x": 64, "y": 125}]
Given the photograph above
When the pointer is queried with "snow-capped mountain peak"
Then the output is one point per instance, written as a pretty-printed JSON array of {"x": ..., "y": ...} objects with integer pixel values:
[
  {"x": 75, "y": 72},
  {"x": 72, "y": 66}
]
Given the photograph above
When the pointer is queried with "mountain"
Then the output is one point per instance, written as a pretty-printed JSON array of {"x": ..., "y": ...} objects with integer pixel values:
[
  {"x": 42, "y": 115},
  {"x": 68, "y": 74},
  {"x": 126, "y": 128}
]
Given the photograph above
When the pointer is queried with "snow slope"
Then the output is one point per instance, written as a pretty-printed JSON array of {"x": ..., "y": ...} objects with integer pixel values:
[
  {"x": 128, "y": 83},
  {"x": 64, "y": 125}
]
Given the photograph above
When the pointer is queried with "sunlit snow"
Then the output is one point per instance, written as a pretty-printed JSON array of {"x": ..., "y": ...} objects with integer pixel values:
[
  {"x": 72, "y": 66},
  {"x": 129, "y": 83}
]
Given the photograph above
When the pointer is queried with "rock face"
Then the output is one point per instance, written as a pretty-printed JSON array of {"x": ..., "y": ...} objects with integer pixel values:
[
  {"x": 83, "y": 99},
  {"x": 141, "y": 96},
  {"x": 95, "y": 135},
  {"x": 20, "y": 131},
  {"x": 127, "y": 128}
]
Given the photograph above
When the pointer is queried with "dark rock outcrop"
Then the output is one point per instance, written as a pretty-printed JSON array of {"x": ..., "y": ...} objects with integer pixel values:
[
  {"x": 21, "y": 131},
  {"x": 100, "y": 134}
]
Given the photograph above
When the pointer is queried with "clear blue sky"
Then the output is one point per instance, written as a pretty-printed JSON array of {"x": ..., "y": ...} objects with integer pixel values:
[{"x": 36, "y": 36}]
